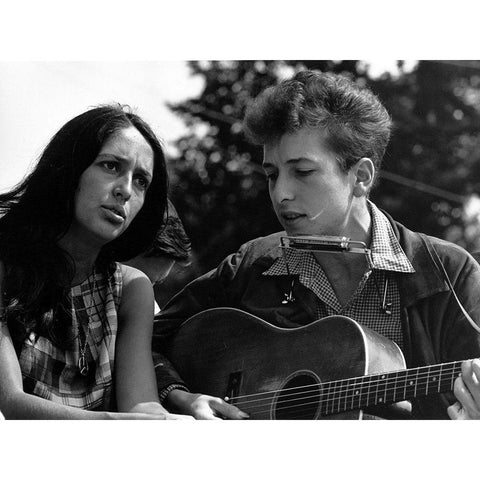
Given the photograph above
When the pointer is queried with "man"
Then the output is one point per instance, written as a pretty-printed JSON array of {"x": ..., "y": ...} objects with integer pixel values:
[
  {"x": 170, "y": 252},
  {"x": 324, "y": 139}
]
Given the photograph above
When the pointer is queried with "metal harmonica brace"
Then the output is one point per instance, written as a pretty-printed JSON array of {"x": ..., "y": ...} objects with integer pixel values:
[{"x": 312, "y": 243}]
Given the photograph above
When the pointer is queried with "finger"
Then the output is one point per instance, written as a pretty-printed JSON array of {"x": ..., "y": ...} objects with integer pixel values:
[
  {"x": 455, "y": 411},
  {"x": 461, "y": 393},
  {"x": 205, "y": 413},
  {"x": 471, "y": 380},
  {"x": 228, "y": 411},
  {"x": 466, "y": 400},
  {"x": 476, "y": 369}
]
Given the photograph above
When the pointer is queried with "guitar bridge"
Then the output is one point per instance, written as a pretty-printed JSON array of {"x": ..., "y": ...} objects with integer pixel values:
[{"x": 233, "y": 386}]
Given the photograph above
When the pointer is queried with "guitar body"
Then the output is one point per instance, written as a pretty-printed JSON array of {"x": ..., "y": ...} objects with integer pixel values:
[{"x": 269, "y": 371}]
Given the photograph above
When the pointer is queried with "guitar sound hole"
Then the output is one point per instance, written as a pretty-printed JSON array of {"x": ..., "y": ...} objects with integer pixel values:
[{"x": 299, "y": 399}]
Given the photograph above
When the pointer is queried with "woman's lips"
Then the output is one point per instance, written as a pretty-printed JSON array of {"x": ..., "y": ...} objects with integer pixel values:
[{"x": 114, "y": 215}]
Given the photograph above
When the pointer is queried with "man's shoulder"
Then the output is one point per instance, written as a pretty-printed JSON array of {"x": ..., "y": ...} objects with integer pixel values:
[
  {"x": 476, "y": 256},
  {"x": 268, "y": 241},
  {"x": 262, "y": 248},
  {"x": 414, "y": 242}
]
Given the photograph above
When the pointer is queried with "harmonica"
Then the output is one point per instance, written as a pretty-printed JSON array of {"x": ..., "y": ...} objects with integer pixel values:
[{"x": 312, "y": 243}]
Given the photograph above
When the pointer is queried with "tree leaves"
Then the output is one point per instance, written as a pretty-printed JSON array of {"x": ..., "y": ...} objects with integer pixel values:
[{"x": 219, "y": 188}]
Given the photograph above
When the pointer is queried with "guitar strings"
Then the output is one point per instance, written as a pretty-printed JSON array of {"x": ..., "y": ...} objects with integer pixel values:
[
  {"x": 326, "y": 407},
  {"x": 344, "y": 392},
  {"x": 348, "y": 392},
  {"x": 322, "y": 408},
  {"x": 443, "y": 370},
  {"x": 324, "y": 396}
]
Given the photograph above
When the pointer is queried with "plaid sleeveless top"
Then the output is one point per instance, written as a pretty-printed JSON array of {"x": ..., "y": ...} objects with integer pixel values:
[{"x": 52, "y": 373}]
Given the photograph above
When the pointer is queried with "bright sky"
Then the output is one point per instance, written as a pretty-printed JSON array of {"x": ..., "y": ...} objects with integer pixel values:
[{"x": 37, "y": 98}]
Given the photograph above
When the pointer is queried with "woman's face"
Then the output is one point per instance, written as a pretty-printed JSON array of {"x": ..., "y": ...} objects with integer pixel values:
[{"x": 111, "y": 191}]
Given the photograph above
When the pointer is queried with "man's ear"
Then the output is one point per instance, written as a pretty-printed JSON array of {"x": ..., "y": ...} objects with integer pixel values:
[{"x": 364, "y": 172}]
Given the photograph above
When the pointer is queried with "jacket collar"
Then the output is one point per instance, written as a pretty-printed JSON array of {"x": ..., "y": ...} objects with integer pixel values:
[{"x": 427, "y": 279}]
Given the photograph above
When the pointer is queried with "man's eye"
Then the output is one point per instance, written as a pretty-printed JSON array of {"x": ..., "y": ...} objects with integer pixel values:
[
  {"x": 271, "y": 176},
  {"x": 304, "y": 173}
]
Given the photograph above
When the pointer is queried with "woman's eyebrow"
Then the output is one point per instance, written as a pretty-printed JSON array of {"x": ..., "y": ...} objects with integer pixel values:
[
  {"x": 121, "y": 159},
  {"x": 145, "y": 173}
]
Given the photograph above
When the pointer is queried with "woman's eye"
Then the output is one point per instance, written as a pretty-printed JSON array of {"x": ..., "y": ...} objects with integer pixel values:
[
  {"x": 142, "y": 182},
  {"x": 111, "y": 166}
]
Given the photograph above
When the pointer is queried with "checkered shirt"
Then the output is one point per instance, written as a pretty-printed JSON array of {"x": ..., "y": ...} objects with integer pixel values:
[
  {"x": 388, "y": 260},
  {"x": 53, "y": 374}
]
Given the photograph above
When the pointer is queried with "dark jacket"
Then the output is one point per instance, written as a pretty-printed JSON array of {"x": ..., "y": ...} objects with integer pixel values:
[{"x": 434, "y": 328}]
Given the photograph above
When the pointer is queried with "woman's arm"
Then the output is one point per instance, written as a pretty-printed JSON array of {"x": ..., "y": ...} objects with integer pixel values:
[
  {"x": 136, "y": 387},
  {"x": 16, "y": 404}
]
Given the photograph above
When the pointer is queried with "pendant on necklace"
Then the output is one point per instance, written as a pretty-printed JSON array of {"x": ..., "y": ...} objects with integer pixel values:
[{"x": 83, "y": 365}]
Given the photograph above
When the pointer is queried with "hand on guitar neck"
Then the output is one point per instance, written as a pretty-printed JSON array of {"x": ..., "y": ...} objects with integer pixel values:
[{"x": 467, "y": 392}]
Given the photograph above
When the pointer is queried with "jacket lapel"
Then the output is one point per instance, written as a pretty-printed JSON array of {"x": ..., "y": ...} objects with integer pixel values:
[{"x": 427, "y": 279}]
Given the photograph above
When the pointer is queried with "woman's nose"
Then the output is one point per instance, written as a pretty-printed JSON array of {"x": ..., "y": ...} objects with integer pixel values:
[{"x": 123, "y": 188}]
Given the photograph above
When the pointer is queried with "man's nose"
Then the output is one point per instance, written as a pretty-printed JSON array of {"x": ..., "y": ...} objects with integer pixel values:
[{"x": 282, "y": 190}]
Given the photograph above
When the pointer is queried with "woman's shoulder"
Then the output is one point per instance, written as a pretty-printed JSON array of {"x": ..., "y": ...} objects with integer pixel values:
[
  {"x": 137, "y": 289},
  {"x": 131, "y": 275}
]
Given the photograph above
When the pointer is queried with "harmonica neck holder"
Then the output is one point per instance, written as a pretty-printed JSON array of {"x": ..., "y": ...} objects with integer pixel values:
[{"x": 328, "y": 244}]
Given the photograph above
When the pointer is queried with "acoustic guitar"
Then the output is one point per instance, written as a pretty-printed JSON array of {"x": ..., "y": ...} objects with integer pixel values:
[{"x": 333, "y": 368}]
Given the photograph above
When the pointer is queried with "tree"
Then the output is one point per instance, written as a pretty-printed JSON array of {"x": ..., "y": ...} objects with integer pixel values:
[
  {"x": 431, "y": 166},
  {"x": 435, "y": 142}
]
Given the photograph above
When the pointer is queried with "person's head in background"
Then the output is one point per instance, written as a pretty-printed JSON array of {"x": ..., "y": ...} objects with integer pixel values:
[{"x": 170, "y": 250}]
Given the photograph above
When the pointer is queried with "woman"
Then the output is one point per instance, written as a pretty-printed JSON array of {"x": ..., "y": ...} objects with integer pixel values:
[{"x": 75, "y": 324}]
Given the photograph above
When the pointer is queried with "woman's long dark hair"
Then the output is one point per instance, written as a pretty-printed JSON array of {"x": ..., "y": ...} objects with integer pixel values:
[{"x": 39, "y": 211}]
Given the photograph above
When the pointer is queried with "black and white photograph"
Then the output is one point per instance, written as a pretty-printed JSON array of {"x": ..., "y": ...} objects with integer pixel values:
[{"x": 206, "y": 236}]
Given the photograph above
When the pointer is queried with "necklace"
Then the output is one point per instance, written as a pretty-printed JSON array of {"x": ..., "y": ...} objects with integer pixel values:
[{"x": 82, "y": 361}]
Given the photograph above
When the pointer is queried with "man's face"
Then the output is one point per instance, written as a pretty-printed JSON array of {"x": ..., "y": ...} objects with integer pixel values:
[{"x": 310, "y": 194}]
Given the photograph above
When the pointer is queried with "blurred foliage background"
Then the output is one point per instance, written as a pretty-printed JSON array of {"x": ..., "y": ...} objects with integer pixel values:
[{"x": 431, "y": 170}]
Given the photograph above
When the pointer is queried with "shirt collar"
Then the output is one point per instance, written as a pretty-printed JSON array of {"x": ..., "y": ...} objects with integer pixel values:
[{"x": 387, "y": 254}]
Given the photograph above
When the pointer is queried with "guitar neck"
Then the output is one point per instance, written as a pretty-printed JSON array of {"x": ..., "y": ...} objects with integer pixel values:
[{"x": 387, "y": 388}]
